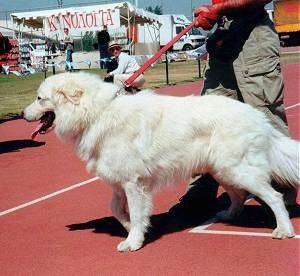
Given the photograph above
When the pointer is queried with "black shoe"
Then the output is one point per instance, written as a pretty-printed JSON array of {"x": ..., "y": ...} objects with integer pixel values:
[
  {"x": 132, "y": 90},
  {"x": 129, "y": 89}
]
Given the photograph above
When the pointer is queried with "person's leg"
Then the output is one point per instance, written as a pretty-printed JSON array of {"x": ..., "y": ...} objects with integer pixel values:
[
  {"x": 120, "y": 80},
  {"x": 69, "y": 60},
  {"x": 104, "y": 56},
  {"x": 139, "y": 81},
  {"x": 101, "y": 52},
  {"x": 219, "y": 79},
  {"x": 202, "y": 189},
  {"x": 264, "y": 91},
  {"x": 200, "y": 197},
  {"x": 258, "y": 73},
  {"x": 101, "y": 63},
  {"x": 258, "y": 91},
  {"x": 259, "y": 78}
]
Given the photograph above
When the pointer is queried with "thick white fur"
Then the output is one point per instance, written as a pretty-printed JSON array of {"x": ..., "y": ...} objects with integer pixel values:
[{"x": 139, "y": 142}]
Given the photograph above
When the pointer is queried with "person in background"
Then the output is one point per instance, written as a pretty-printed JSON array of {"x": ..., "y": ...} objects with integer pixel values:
[
  {"x": 61, "y": 45},
  {"x": 131, "y": 34},
  {"x": 127, "y": 65},
  {"x": 53, "y": 48},
  {"x": 244, "y": 64},
  {"x": 5, "y": 46},
  {"x": 69, "y": 44},
  {"x": 103, "y": 39},
  {"x": 47, "y": 45}
]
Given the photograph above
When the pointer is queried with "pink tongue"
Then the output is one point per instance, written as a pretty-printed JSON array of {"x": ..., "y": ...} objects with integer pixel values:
[{"x": 36, "y": 131}]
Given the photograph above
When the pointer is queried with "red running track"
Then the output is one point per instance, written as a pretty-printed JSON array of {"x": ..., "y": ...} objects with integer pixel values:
[{"x": 36, "y": 240}]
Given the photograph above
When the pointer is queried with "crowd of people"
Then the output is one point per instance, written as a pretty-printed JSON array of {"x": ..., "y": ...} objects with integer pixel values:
[{"x": 119, "y": 65}]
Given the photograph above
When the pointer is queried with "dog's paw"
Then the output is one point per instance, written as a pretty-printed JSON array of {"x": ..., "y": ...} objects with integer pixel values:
[
  {"x": 280, "y": 233},
  {"x": 126, "y": 245}
]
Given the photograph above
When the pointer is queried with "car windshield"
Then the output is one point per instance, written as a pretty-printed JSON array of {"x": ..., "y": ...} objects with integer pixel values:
[{"x": 195, "y": 31}]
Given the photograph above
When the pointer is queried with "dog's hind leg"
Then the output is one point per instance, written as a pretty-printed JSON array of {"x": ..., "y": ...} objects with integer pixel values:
[
  {"x": 139, "y": 201},
  {"x": 275, "y": 201},
  {"x": 119, "y": 207},
  {"x": 257, "y": 183},
  {"x": 237, "y": 198}
]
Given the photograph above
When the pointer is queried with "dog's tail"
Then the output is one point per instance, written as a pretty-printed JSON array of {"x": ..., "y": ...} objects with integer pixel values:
[{"x": 284, "y": 158}]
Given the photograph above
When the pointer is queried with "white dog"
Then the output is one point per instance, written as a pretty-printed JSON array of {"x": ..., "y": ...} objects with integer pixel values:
[{"x": 139, "y": 142}]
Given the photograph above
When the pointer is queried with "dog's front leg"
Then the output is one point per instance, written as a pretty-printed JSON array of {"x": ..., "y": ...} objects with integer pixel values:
[
  {"x": 139, "y": 201},
  {"x": 119, "y": 206}
]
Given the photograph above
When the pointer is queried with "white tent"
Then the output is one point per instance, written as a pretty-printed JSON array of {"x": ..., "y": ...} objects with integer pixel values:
[{"x": 90, "y": 18}]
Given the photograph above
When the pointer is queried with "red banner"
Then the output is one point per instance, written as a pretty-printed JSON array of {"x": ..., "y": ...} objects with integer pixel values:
[{"x": 82, "y": 21}]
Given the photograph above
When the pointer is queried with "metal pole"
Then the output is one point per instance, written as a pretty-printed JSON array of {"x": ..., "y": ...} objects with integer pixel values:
[
  {"x": 167, "y": 68},
  {"x": 6, "y": 19},
  {"x": 128, "y": 30},
  {"x": 53, "y": 68},
  {"x": 199, "y": 66},
  {"x": 44, "y": 67}
]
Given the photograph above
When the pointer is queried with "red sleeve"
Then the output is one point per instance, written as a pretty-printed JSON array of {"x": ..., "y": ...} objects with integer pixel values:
[{"x": 223, "y": 7}]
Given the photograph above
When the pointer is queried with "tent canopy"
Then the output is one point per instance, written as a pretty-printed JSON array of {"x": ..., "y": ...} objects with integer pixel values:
[{"x": 128, "y": 14}]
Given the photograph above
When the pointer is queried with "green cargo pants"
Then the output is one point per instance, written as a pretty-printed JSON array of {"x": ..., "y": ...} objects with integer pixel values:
[{"x": 254, "y": 77}]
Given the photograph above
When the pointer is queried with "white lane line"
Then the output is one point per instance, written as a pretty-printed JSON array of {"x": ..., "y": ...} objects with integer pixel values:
[
  {"x": 198, "y": 230},
  {"x": 205, "y": 225},
  {"x": 213, "y": 220},
  {"x": 292, "y": 106},
  {"x": 201, "y": 229},
  {"x": 48, "y": 196}
]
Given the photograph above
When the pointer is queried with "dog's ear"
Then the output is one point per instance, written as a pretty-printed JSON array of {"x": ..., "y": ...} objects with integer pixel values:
[{"x": 74, "y": 98}]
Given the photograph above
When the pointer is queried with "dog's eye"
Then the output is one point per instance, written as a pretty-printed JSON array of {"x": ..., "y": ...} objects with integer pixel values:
[{"x": 39, "y": 98}]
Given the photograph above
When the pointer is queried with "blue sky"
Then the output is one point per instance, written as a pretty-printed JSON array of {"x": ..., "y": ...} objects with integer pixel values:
[{"x": 169, "y": 6}]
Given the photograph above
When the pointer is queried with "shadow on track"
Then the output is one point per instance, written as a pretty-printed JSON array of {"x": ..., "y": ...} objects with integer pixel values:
[
  {"x": 161, "y": 224},
  {"x": 16, "y": 145},
  {"x": 176, "y": 220},
  {"x": 11, "y": 117}
]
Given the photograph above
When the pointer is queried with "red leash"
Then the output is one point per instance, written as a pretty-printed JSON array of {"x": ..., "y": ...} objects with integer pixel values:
[{"x": 157, "y": 55}]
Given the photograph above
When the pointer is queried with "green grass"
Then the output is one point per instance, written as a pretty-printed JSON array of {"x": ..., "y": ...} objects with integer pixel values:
[{"x": 18, "y": 92}]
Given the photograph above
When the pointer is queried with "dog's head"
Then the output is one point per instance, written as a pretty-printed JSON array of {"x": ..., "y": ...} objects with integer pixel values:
[{"x": 62, "y": 102}]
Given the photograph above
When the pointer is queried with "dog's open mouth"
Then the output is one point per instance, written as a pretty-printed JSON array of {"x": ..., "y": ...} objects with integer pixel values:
[{"x": 44, "y": 125}]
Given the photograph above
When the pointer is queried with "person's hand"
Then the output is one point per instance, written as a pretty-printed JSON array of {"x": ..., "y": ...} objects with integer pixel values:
[{"x": 206, "y": 16}]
